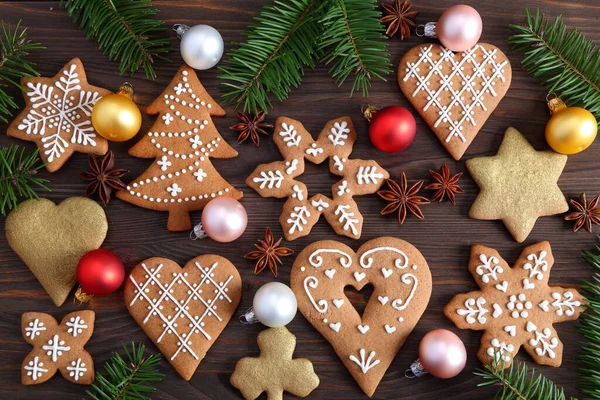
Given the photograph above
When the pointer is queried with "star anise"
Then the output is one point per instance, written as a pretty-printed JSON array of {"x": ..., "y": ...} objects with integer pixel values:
[
  {"x": 403, "y": 198},
  {"x": 268, "y": 253},
  {"x": 398, "y": 17},
  {"x": 251, "y": 125},
  {"x": 445, "y": 184},
  {"x": 103, "y": 177},
  {"x": 585, "y": 214}
]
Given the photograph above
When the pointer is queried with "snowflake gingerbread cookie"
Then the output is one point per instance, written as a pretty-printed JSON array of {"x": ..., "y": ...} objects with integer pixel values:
[
  {"x": 58, "y": 115},
  {"x": 515, "y": 306},
  {"x": 58, "y": 347},
  {"x": 301, "y": 212}
]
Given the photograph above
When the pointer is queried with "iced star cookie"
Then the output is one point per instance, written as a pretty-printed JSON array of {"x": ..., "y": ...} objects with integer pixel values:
[{"x": 515, "y": 306}]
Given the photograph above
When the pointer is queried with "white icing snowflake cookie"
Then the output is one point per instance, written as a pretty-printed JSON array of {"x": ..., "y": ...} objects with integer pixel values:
[
  {"x": 58, "y": 115},
  {"x": 58, "y": 347},
  {"x": 515, "y": 306},
  {"x": 301, "y": 212}
]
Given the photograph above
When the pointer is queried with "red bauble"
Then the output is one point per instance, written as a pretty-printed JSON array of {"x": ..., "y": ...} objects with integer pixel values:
[
  {"x": 100, "y": 272},
  {"x": 392, "y": 129}
]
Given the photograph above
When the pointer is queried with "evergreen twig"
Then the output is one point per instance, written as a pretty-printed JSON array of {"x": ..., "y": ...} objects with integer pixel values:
[
  {"x": 124, "y": 30},
  {"x": 14, "y": 48},
  {"x": 128, "y": 377},
  {"x": 589, "y": 326},
  {"x": 18, "y": 176},
  {"x": 566, "y": 60}
]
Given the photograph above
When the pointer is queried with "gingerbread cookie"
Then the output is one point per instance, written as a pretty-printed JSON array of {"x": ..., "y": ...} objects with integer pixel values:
[
  {"x": 183, "y": 310},
  {"x": 58, "y": 347},
  {"x": 515, "y": 306},
  {"x": 58, "y": 115},
  {"x": 301, "y": 212},
  {"x": 455, "y": 93},
  {"x": 518, "y": 185},
  {"x": 182, "y": 140},
  {"x": 50, "y": 239},
  {"x": 275, "y": 371},
  {"x": 401, "y": 282}
]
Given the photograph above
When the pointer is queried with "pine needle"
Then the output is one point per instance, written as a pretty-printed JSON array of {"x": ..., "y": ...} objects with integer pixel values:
[
  {"x": 128, "y": 378},
  {"x": 14, "y": 48},
  {"x": 589, "y": 327},
  {"x": 124, "y": 30},
  {"x": 566, "y": 60},
  {"x": 18, "y": 176}
]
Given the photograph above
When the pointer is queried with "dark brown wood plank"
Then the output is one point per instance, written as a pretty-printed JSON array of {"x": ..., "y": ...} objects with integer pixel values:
[{"x": 444, "y": 237}]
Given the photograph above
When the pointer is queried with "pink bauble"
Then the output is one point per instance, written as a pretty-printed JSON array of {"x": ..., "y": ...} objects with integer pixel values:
[
  {"x": 459, "y": 28},
  {"x": 224, "y": 219},
  {"x": 442, "y": 354}
]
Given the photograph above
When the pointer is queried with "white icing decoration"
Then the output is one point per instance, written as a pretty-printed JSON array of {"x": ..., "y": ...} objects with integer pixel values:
[
  {"x": 76, "y": 326},
  {"x": 298, "y": 218},
  {"x": 363, "y": 328},
  {"x": 320, "y": 205},
  {"x": 195, "y": 141},
  {"x": 500, "y": 350},
  {"x": 178, "y": 307},
  {"x": 302, "y": 269},
  {"x": 489, "y": 269},
  {"x": 298, "y": 193},
  {"x": 497, "y": 310},
  {"x": 335, "y": 327},
  {"x": 338, "y": 302},
  {"x": 290, "y": 135},
  {"x": 365, "y": 364},
  {"x": 291, "y": 167},
  {"x": 544, "y": 305},
  {"x": 164, "y": 163},
  {"x": 270, "y": 179},
  {"x": 399, "y": 263},
  {"x": 470, "y": 87},
  {"x": 399, "y": 304},
  {"x": 474, "y": 313},
  {"x": 167, "y": 118},
  {"x": 368, "y": 175},
  {"x": 310, "y": 282},
  {"x": 511, "y": 330},
  {"x": 538, "y": 262},
  {"x": 502, "y": 287},
  {"x": 34, "y": 328},
  {"x": 339, "y": 133},
  {"x": 314, "y": 150},
  {"x": 359, "y": 276},
  {"x": 316, "y": 260},
  {"x": 401, "y": 319},
  {"x": 200, "y": 175},
  {"x": 528, "y": 285},
  {"x": 55, "y": 348},
  {"x": 383, "y": 300},
  {"x": 386, "y": 272},
  {"x": 568, "y": 303},
  {"x": 345, "y": 217},
  {"x": 519, "y": 305},
  {"x": 35, "y": 368},
  {"x": 330, "y": 273},
  {"x": 541, "y": 338},
  {"x": 389, "y": 329},
  {"x": 77, "y": 369},
  {"x": 343, "y": 188},
  {"x": 339, "y": 163},
  {"x": 174, "y": 189}
]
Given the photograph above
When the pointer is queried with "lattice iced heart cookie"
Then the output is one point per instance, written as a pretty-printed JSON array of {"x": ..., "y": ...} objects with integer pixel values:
[
  {"x": 515, "y": 306},
  {"x": 57, "y": 115},
  {"x": 300, "y": 213},
  {"x": 58, "y": 347},
  {"x": 401, "y": 279},
  {"x": 455, "y": 93},
  {"x": 183, "y": 310}
]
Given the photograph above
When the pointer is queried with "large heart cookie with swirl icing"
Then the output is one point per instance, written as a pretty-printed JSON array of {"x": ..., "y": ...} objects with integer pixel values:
[
  {"x": 401, "y": 280},
  {"x": 455, "y": 93}
]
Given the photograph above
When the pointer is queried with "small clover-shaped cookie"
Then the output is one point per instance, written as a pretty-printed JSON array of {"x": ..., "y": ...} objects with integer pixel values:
[
  {"x": 515, "y": 306},
  {"x": 58, "y": 347},
  {"x": 274, "y": 371},
  {"x": 296, "y": 145}
]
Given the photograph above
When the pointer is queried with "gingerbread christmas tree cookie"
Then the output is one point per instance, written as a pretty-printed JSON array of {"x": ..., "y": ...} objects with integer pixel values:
[
  {"x": 515, "y": 306},
  {"x": 57, "y": 115},
  {"x": 301, "y": 212},
  {"x": 58, "y": 347},
  {"x": 518, "y": 185}
]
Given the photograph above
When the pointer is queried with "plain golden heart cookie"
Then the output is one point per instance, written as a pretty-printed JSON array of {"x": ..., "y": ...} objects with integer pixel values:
[
  {"x": 51, "y": 239},
  {"x": 455, "y": 93},
  {"x": 183, "y": 310},
  {"x": 401, "y": 282}
]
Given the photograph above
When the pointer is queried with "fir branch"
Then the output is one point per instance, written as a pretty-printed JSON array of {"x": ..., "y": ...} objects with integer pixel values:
[
  {"x": 124, "y": 30},
  {"x": 589, "y": 326},
  {"x": 14, "y": 48},
  {"x": 18, "y": 176},
  {"x": 352, "y": 43},
  {"x": 519, "y": 383},
  {"x": 566, "y": 60},
  {"x": 127, "y": 378},
  {"x": 273, "y": 57}
]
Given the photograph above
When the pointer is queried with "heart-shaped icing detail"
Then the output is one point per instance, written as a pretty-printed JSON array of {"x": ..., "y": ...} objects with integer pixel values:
[
  {"x": 408, "y": 294},
  {"x": 544, "y": 305},
  {"x": 528, "y": 285},
  {"x": 502, "y": 287},
  {"x": 335, "y": 327},
  {"x": 50, "y": 239},
  {"x": 386, "y": 272},
  {"x": 201, "y": 297},
  {"x": 389, "y": 329},
  {"x": 449, "y": 91},
  {"x": 497, "y": 310},
  {"x": 338, "y": 302},
  {"x": 363, "y": 328},
  {"x": 511, "y": 330},
  {"x": 330, "y": 273}
]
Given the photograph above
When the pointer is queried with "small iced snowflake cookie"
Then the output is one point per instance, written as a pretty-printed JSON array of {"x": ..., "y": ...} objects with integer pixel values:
[
  {"x": 58, "y": 347},
  {"x": 401, "y": 281},
  {"x": 455, "y": 93},
  {"x": 515, "y": 306},
  {"x": 58, "y": 115},
  {"x": 301, "y": 212}
]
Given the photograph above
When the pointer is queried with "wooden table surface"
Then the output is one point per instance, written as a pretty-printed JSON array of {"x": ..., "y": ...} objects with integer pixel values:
[{"x": 444, "y": 237}]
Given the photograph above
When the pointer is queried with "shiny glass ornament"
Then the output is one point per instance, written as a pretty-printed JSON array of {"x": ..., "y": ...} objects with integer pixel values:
[
  {"x": 201, "y": 46},
  {"x": 116, "y": 117},
  {"x": 570, "y": 130}
]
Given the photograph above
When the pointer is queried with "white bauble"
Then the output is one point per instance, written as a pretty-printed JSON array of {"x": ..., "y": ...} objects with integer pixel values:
[
  {"x": 201, "y": 47},
  {"x": 274, "y": 304}
]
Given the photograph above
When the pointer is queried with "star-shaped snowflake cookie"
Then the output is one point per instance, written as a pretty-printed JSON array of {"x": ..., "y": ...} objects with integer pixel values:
[
  {"x": 58, "y": 347},
  {"x": 58, "y": 115},
  {"x": 300, "y": 213},
  {"x": 515, "y": 306}
]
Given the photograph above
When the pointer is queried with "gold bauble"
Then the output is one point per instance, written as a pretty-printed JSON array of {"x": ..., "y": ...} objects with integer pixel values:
[
  {"x": 570, "y": 130},
  {"x": 116, "y": 117}
]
